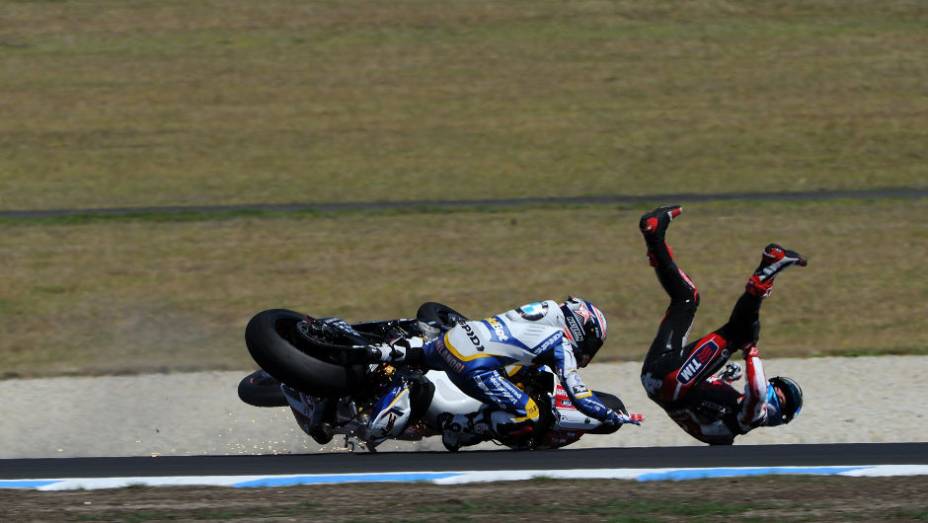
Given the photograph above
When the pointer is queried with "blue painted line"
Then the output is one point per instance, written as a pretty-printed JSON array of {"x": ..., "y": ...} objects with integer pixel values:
[
  {"x": 679, "y": 475},
  {"x": 344, "y": 478},
  {"x": 10, "y": 483}
]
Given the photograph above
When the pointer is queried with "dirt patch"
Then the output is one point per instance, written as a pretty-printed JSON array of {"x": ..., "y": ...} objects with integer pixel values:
[
  {"x": 200, "y": 413},
  {"x": 742, "y": 499}
]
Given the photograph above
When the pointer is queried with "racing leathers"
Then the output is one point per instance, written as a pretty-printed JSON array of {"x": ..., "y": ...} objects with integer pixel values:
[
  {"x": 678, "y": 375},
  {"x": 480, "y": 356}
]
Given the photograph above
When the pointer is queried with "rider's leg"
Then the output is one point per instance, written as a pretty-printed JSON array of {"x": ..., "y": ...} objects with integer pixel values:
[
  {"x": 666, "y": 353},
  {"x": 509, "y": 410},
  {"x": 743, "y": 327},
  {"x": 709, "y": 354}
]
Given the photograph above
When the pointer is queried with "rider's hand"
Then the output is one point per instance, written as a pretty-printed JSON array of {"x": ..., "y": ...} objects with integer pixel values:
[
  {"x": 618, "y": 419},
  {"x": 384, "y": 353},
  {"x": 732, "y": 373}
]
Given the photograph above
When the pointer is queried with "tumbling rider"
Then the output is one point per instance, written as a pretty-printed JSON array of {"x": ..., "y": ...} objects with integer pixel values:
[
  {"x": 679, "y": 376},
  {"x": 476, "y": 355}
]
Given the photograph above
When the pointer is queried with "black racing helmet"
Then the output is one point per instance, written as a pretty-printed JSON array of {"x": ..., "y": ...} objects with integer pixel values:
[{"x": 785, "y": 411}]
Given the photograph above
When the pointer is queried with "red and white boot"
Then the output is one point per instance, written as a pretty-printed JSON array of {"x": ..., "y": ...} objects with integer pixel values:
[{"x": 774, "y": 259}]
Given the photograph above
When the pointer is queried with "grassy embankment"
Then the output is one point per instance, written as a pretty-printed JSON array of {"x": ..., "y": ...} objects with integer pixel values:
[
  {"x": 108, "y": 103},
  {"x": 114, "y": 296},
  {"x": 796, "y": 498},
  {"x": 113, "y": 104}
]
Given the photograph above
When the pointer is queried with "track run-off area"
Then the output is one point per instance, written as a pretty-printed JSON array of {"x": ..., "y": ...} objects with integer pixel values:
[{"x": 638, "y": 463}]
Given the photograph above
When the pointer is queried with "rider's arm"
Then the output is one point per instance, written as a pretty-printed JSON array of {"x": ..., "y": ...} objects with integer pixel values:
[
  {"x": 565, "y": 364},
  {"x": 754, "y": 402}
]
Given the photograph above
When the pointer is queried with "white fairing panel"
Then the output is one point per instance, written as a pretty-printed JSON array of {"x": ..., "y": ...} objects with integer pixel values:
[
  {"x": 392, "y": 421},
  {"x": 567, "y": 417},
  {"x": 448, "y": 398}
]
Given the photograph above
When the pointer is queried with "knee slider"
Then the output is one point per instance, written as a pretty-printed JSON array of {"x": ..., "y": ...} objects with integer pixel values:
[{"x": 503, "y": 421}]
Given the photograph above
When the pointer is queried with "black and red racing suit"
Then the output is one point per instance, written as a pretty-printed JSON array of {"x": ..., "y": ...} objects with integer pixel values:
[{"x": 679, "y": 376}]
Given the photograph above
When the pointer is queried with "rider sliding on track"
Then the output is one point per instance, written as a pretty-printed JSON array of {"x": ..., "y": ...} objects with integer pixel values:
[
  {"x": 679, "y": 376},
  {"x": 480, "y": 357}
]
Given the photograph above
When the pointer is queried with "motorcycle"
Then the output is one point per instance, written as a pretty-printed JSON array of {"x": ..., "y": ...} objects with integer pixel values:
[{"x": 322, "y": 365}]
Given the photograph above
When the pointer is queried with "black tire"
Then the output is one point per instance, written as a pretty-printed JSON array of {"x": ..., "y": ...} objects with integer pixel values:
[
  {"x": 439, "y": 315},
  {"x": 269, "y": 338},
  {"x": 260, "y": 389},
  {"x": 614, "y": 403}
]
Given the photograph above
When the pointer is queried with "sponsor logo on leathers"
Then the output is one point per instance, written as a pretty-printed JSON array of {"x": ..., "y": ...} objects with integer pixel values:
[
  {"x": 498, "y": 329},
  {"x": 697, "y": 360},
  {"x": 533, "y": 311},
  {"x": 472, "y": 336}
]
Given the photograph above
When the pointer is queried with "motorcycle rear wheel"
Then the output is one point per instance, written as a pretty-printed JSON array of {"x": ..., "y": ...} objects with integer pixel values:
[{"x": 260, "y": 389}]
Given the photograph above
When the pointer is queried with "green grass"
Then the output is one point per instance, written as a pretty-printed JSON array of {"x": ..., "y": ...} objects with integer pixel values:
[
  {"x": 110, "y": 103},
  {"x": 289, "y": 511},
  {"x": 762, "y": 498},
  {"x": 614, "y": 510},
  {"x": 149, "y": 296}
]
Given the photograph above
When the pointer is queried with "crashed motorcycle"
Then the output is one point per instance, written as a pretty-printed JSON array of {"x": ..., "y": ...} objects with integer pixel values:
[{"x": 322, "y": 365}]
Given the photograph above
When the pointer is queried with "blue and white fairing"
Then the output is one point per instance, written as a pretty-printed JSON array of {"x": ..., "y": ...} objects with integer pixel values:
[{"x": 391, "y": 414}]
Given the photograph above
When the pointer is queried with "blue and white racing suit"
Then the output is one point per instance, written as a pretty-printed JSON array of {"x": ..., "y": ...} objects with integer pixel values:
[{"x": 479, "y": 356}]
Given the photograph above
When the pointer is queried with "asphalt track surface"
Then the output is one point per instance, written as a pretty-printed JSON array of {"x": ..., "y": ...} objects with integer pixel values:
[
  {"x": 896, "y": 192},
  {"x": 602, "y": 458}
]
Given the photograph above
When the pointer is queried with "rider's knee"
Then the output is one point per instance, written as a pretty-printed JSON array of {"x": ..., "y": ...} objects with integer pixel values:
[
  {"x": 531, "y": 411},
  {"x": 504, "y": 422}
]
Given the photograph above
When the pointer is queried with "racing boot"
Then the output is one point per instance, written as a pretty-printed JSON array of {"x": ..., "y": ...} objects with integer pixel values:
[
  {"x": 654, "y": 224},
  {"x": 773, "y": 260},
  {"x": 460, "y": 430},
  {"x": 675, "y": 282}
]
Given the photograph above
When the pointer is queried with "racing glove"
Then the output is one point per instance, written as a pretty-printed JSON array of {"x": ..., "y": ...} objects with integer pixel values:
[
  {"x": 617, "y": 418},
  {"x": 386, "y": 353},
  {"x": 399, "y": 352},
  {"x": 732, "y": 373}
]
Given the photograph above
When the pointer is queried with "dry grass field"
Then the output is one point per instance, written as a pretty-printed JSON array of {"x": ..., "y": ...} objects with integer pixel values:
[
  {"x": 109, "y": 103},
  {"x": 112, "y": 103},
  {"x": 119, "y": 296}
]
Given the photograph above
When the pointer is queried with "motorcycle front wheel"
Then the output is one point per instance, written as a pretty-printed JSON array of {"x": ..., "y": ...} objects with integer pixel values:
[{"x": 277, "y": 347}]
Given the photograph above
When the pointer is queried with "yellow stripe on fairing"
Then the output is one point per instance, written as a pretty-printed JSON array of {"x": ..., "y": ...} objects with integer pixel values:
[{"x": 397, "y": 398}]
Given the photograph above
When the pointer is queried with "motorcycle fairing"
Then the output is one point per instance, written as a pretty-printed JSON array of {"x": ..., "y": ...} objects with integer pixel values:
[{"x": 393, "y": 412}]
